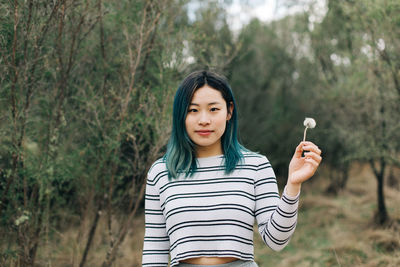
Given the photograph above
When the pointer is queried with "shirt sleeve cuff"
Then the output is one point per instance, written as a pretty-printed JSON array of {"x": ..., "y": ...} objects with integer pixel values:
[{"x": 291, "y": 198}]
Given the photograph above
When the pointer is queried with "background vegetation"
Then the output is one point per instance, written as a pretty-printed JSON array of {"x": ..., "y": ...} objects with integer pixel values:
[{"x": 85, "y": 101}]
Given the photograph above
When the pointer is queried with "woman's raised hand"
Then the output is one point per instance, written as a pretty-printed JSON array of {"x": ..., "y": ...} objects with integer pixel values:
[{"x": 302, "y": 168}]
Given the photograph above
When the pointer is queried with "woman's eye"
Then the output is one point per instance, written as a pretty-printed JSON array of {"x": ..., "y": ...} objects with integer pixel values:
[
  {"x": 192, "y": 110},
  {"x": 214, "y": 109}
]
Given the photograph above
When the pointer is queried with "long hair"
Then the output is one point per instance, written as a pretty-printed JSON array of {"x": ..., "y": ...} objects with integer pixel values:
[{"x": 181, "y": 154}]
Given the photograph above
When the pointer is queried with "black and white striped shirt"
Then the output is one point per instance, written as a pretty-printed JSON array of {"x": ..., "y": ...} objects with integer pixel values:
[{"x": 211, "y": 214}]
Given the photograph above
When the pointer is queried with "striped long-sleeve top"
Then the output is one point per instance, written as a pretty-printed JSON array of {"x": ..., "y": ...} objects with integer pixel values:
[{"x": 211, "y": 214}]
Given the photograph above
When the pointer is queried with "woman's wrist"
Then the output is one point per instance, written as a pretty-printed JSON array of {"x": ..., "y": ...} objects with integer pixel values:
[{"x": 292, "y": 190}]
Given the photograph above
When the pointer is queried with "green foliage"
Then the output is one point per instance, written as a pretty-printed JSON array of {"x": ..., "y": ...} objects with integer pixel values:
[
  {"x": 211, "y": 42},
  {"x": 87, "y": 96},
  {"x": 363, "y": 93},
  {"x": 86, "y": 91},
  {"x": 273, "y": 90}
]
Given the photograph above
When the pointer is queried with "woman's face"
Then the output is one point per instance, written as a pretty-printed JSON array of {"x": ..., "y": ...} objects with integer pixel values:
[{"x": 206, "y": 121}]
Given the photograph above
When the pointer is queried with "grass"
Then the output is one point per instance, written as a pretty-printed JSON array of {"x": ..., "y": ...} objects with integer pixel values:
[
  {"x": 331, "y": 231},
  {"x": 339, "y": 230},
  {"x": 69, "y": 248}
]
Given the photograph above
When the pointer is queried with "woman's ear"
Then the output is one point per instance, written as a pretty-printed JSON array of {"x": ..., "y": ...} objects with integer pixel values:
[{"x": 230, "y": 111}]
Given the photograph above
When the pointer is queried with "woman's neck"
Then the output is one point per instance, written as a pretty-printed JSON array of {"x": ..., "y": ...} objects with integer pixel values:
[{"x": 205, "y": 152}]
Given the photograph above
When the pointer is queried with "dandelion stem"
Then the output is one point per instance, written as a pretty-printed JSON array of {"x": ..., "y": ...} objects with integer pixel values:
[{"x": 305, "y": 131}]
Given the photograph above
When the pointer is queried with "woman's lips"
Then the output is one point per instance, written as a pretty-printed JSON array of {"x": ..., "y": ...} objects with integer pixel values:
[{"x": 204, "y": 132}]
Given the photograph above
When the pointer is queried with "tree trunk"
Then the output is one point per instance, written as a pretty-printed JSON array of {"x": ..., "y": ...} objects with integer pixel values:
[
  {"x": 382, "y": 216},
  {"x": 91, "y": 234},
  {"x": 344, "y": 175}
]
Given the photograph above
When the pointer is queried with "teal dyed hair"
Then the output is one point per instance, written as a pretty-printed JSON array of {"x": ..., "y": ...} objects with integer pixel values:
[{"x": 181, "y": 152}]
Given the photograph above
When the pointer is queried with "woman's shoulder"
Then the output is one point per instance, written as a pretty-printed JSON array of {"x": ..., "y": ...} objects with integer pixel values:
[
  {"x": 158, "y": 166},
  {"x": 255, "y": 158}
]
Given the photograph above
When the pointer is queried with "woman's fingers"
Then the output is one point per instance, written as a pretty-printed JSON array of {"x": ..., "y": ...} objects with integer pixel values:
[
  {"x": 313, "y": 163},
  {"x": 310, "y": 151},
  {"x": 309, "y": 146},
  {"x": 314, "y": 156},
  {"x": 299, "y": 149},
  {"x": 302, "y": 168}
]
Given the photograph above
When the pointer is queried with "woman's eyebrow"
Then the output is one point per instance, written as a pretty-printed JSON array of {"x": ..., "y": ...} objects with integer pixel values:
[{"x": 209, "y": 104}]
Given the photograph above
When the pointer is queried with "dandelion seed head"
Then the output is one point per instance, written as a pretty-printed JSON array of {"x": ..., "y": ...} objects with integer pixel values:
[{"x": 309, "y": 123}]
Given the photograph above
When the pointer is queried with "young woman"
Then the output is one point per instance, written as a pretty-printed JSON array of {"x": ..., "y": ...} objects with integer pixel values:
[{"x": 202, "y": 197}]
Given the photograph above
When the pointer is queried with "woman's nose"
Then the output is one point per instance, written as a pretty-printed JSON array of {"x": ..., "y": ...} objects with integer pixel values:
[{"x": 204, "y": 119}]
